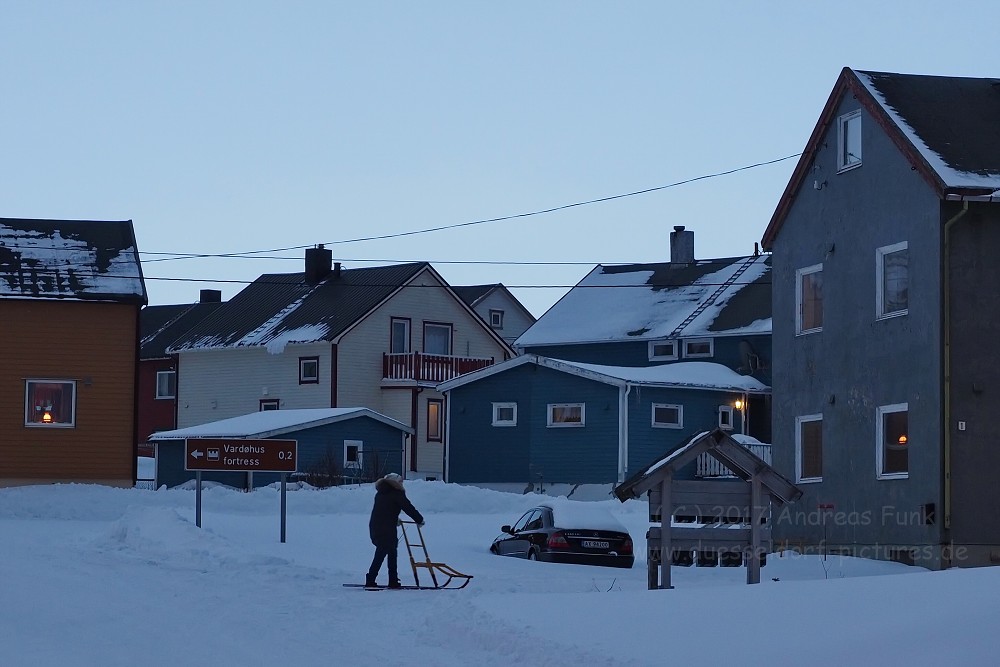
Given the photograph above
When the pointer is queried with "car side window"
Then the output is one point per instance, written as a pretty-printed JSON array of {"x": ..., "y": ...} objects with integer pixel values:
[
  {"x": 535, "y": 522},
  {"x": 519, "y": 526}
]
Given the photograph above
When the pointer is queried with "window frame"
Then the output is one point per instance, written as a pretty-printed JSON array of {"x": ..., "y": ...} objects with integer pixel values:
[
  {"x": 699, "y": 355},
  {"x": 28, "y": 382},
  {"x": 726, "y": 415},
  {"x": 653, "y": 344},
  {"x": 496, "y": 318},
  {"x": 551, "y": 423},
  {"x": 499, "y": 405},
  {"x": 438, "y": 422},
  {"x": 451, "y": 337},
  {"x": 800, "y": 274},
  {"x": 880, "y": 444},
  {"x": 679, "y": 423},
  {"x": 302, "y": 376},
  {"x": 844, "y": 135},
  {"x": 156, "y": 392},
  {"x": 264, "y": 403},
  {"x": 407, "y": 335},
  {"x": 880, "y": 254},
  {"x": 359, "y": 461},
  {"x": 799, "y": 459}
]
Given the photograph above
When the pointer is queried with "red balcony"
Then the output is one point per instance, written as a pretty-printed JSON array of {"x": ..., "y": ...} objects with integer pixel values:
[{"x": 430, "y": 368}]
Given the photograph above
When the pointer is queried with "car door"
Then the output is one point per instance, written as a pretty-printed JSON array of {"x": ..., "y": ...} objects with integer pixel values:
[
  {"x": 508, "y": 546},
  {"x": 520, "y": 541}
]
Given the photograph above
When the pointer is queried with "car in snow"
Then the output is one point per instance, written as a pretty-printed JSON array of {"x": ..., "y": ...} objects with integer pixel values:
[{"x": 567, "y": 532}]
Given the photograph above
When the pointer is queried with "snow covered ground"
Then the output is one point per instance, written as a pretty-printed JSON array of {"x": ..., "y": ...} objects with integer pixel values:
[{"x": 92, "y": 575}]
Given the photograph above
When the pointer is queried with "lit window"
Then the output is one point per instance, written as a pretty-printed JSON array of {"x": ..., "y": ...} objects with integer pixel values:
[
  {"x": 893, "y": 271},
  {"x": 809, "y": 448},
  {"x": 496, "y": 319},
  {"x": 435, "y": 419},
  {"x": 308, "y": 370},
  {"x": 893, "y": 447},
  {"x": 166, "y": 384},
  {"x": 565, "y": 414},
  {"x": 662, "y": 350},
  {"x": 666, "y": 415},
  {"x": 505, "y": 414},
  {"x": 849, "y": 141},
  {"x": 701, "y": 347},
  {"x": 809, "y": 299},
  {"x": 50, "y": 403}
]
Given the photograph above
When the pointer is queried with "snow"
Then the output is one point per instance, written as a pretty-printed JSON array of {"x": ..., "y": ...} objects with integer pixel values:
[
  {"x": 265, "y": 423},
  {"x": 94, "y": 575}
]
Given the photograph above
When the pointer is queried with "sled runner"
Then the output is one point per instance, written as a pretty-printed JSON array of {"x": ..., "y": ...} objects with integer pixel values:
[{"x": 447, "y": 574}]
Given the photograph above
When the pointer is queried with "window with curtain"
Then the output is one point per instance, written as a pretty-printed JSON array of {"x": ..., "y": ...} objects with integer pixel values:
[{"x": 50, "y": 403}]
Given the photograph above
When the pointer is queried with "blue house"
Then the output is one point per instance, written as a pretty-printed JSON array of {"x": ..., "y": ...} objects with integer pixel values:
[
  {"x": 334, "y": 444},
  {"x": 537, "y": 419},
  {"x": 884, "y": 250}
]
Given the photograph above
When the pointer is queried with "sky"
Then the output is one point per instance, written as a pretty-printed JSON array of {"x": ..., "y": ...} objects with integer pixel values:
[
  {"x": 100, "y": 576},
  {"x": 233, "y": 127}
]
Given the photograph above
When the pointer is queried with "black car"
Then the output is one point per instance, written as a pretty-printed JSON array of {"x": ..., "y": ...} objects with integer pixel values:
[{"x": 567, "y": 532}]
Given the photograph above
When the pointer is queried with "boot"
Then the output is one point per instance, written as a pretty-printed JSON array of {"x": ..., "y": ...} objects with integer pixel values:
[
  {"x": 370, "y": 581},
  {"x": 395, "y": 583}
]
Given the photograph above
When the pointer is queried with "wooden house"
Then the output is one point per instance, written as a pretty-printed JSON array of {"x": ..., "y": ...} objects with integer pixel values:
[
  {"x": 498, "y": 307},
  {"x": 70, "y": 295}
]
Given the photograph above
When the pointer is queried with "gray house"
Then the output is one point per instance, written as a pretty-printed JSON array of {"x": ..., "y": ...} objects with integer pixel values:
[
  {"x": 882, "y": 394},
  {"x": 498, "y": 307}
]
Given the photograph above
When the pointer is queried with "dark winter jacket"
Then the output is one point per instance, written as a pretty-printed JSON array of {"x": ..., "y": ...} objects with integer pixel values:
[{"x": 390, "y": 500}]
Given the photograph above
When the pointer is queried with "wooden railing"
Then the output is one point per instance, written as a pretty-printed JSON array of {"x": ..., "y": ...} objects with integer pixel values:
[
  {"x": 707, "y": 466},
  {"x": 421, "y": 367}
]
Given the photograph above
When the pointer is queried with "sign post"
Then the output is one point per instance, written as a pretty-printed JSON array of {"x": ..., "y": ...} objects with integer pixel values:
[{"x": 240, "y": 455}]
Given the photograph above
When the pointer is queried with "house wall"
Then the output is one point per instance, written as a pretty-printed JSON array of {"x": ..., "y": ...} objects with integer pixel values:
[
  {"x": 92, "y": 343},
  {"x": 515, "y": 320},
  {"x": 155, "y": 414},
  {"x": 975, "y": 356},
  {"x": 858, "y": 363}
]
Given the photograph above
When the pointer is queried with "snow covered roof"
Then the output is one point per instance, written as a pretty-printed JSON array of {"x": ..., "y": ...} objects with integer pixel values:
[
  {"x": 159, "y": 326},
  {"x": 685, "y": 374},
  {"x": 713, "y": 297},
  {"x": 70, "y": 259},
  {"x": 269, "y": 423}
]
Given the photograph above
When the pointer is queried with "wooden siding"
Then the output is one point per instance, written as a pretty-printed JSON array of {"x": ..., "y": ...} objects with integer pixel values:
[
  {"x": 515, "y": 321},
  {"x": 155, "y": 414},
  {"x": 92, "y": 343}
]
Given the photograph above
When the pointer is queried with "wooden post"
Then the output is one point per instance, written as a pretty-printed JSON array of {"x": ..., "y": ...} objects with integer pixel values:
[
  {"x": 666, "y": 515},
  {"x": 756, "y": 513}
]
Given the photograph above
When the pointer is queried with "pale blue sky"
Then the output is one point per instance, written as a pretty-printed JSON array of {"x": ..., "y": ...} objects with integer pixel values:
[{"x": 235, "y": 126}]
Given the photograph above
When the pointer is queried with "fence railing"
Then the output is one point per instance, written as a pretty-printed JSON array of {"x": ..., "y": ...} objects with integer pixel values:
[
  {"x": 707, "y": 466},
  {"x": 421, "y": 367}
]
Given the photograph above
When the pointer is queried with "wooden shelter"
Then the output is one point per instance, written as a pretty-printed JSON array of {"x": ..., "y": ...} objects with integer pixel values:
[{"x": 731, "y": 514}]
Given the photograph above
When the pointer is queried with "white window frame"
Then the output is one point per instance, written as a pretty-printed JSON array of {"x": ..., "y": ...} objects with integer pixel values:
[
  {"x": 440, "y": 326},
  {"x": 802, "y": 419},
  {"x": 845, "y": 130},
  {"x": 726, "y": 418},
  {"x": 496, "y": 318},
  {"x": 680, "y": 415},
  {"x": 306, "y": 379},
  {"x": 504, "y": 422},
  {"x": 160, "y": 396},
  {"x": 653, "y": 344},
  {"x": 28, "y": 408},
  {"x": 880, "y": 444},
  {"x": 405, "y": 335},
  {"x": 550, "y": 423},
  {"x": 266, "y": 404},
  {"x": 699, "y": 355},
  {"x": 359, "y": 460},
  {"x": 880, "y": 254},
  {"x": 799, "y": 275}
]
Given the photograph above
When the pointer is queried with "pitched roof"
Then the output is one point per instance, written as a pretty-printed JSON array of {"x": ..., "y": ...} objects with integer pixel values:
[
  {"x": 88, "y": 260},
  {"x": 472, "y": 294},
  {"x": 268, "y": 423},
  {"x": 657, "y": 301},
  {"x": 159, "y": 326},
  {"x": 945, "y": 126},
  {"x": 281, "y": 308}
]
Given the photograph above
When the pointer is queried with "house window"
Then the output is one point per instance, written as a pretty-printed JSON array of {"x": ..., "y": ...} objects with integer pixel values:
[
  {"x": 726, "y": 417},
  {"x": 269, "y": 404},
  {"x": 849, "y": 143},
  {"x": 662, "y": 350},
  {"x": 496, "y": 319},
  {"x": 666, "y": 415},
  {"x": 809, "y": 299},
  {"x": 437, "y": 338},
  {"x": 893, "y": 445},
  {"x": 565, "y": 414},
  {"x": 505, "y": 414},
  {"x": 166, "y": 384},
  {"x": 893, "y": 271},
  {"x": 399, "y": 336},
  {"x": 809, "y": 448},
  {"x": 699, "y": 347},
  {"x": 308, "y": 370},
  {"x": 50, "y": 403},
  {"x": 352, "y": 453},
  {"x": 435, "y": 419}
]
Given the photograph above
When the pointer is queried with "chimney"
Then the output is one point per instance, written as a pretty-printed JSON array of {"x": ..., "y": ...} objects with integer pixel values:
[
  {"x": 210, "y": 296},
  {"x": 318, "y": 261},
  {"x": 681, "y": 246},
  {"x": 336, "y": 269}
]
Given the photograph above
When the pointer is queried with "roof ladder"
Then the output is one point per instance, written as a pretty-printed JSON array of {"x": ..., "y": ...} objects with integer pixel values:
[{"x": 711, "y": 299}]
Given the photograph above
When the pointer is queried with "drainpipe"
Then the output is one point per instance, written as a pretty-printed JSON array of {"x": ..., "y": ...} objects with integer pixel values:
[
  {"x": 623, "y": 432},
  {"x": 946, "y": 301}
]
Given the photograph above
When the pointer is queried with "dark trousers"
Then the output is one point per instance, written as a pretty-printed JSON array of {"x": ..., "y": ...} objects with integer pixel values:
[{"x": 381, "y": 552}]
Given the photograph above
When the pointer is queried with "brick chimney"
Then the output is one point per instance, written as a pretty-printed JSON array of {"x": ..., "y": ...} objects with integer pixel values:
[
  {"x": 681, "y": 246},
  {"x": 319, "y": 263}
]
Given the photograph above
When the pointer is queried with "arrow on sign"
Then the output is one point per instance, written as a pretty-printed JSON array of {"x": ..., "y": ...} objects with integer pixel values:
[{"x": 197, "y": 454}]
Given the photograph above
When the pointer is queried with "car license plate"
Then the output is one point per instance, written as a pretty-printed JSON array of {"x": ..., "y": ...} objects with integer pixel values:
[{"x": 595, "y": 544}]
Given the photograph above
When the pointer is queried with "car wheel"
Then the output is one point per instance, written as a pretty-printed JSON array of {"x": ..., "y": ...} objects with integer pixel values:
[{"x": 532, "y": 554}]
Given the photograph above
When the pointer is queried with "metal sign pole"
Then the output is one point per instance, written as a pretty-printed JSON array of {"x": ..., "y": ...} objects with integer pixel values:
[
  {"x": 197, "y": 499},
  {"x": 284, "y": 478}
]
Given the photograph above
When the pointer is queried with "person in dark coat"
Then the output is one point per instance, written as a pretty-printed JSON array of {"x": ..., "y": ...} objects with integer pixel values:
[{"x": 390, "y": 500}]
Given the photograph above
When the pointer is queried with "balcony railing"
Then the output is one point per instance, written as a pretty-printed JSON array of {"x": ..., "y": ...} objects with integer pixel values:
[
  {"x": 420, "y": 367},
  {"x": 707, "y": 466}
]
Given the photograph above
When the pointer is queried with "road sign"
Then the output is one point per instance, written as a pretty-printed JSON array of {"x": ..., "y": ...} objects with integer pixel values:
[{"x": 237, "y": 455}]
